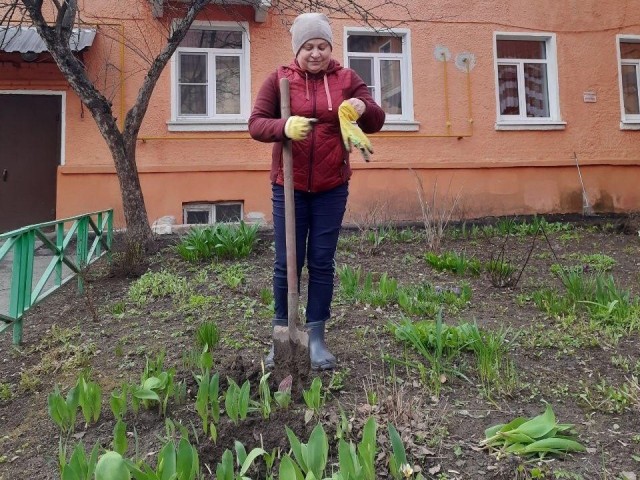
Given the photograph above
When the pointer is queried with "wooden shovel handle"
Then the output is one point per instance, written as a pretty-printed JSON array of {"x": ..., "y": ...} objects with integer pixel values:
[{"x": 289, "y": 213}]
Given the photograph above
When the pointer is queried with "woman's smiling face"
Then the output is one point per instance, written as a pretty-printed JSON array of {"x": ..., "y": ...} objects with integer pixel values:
[{"x": 314, "y": 56}]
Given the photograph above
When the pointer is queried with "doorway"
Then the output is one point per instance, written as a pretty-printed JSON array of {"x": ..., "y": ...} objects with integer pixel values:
[{"x": 30, "y": 152}]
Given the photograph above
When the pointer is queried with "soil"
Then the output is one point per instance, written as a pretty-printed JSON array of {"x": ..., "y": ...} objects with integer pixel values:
[{"x": 556, "y": 362}]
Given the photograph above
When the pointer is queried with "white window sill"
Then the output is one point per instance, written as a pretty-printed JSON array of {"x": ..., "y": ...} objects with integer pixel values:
[
  {"x": 630, "y": 125},
  {"x": 208, "y": 126},
  {"x": 400, "y": 126},
  {"x": 552, "y": 125}
]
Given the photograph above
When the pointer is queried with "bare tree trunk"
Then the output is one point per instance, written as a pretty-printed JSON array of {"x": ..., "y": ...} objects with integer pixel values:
[{"x": 123, "y": 152}]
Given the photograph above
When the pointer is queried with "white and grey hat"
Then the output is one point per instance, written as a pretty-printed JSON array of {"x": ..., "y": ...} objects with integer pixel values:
[{"x": 309, "y": 26}]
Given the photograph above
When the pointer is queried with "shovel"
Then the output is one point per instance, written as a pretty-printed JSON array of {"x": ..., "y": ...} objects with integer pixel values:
[{"x": 290, "y": 343}]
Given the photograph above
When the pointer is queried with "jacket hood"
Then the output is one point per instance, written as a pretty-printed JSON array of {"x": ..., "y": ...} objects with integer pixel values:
[{"x": 333, "y": 67}]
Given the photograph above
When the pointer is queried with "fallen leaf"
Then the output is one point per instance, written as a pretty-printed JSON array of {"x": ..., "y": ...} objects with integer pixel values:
[
  {"x": 422, "y": 451},
  {"x": 466, "y": 413},
  {"x": 308, "y": 415},
  {"x": 628, "y": 475},
  {"x": 434, "y": 470}
]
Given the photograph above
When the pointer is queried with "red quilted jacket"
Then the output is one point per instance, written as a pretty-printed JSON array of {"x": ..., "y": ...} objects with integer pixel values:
[{"x": 320, "y": 162}]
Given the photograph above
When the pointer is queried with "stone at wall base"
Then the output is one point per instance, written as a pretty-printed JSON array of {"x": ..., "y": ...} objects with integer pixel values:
[{"x": 163, "y": 225}]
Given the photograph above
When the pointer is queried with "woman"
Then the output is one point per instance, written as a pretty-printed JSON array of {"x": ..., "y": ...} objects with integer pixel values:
[{"x": 320, "y": 89}]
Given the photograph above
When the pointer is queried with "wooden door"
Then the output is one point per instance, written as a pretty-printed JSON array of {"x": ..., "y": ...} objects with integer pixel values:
[{"x": 30, "y": 137}]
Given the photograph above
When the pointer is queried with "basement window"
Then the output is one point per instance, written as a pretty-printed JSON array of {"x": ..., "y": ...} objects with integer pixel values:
[{"x": 208, "y": 213}]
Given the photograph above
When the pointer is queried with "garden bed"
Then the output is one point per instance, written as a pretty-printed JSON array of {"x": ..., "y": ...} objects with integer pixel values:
[{"x": 576, "y": 353}]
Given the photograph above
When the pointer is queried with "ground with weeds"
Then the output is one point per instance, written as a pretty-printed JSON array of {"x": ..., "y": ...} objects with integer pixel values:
[{"x": 557, "y": 346}]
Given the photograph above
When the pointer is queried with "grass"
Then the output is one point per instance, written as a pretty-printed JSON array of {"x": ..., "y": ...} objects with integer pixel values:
[
  {"x": 496, "y": 370},
  {"x": 596, "y": 295},
  {"x": 467, "y": 367},
  {"x": 154, "y": 285},
  {"x": 509, "y": 226},
  {"x": 457, "y": 263},
  {"x": 207, "y": 336},
  {"x": 440, "y": 344},
  {"x": 608, "y": 398},
  {"x": 416, "y": 300},
  {"x": 218, "y": 241}
]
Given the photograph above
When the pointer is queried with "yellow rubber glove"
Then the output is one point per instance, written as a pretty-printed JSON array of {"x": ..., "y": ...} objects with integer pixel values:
[
  {"x": 351, "y": 133},
  {"x": 297, "y": 128}
]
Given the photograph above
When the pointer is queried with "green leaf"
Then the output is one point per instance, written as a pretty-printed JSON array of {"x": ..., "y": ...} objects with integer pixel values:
[
  {"x": 397, "y": 445},
  {"x": 120, "y": 443},
  {"x": 167, "y": 461},
  {"x": 118, "y": 402},
  {"x": 554, "y": 444},
  {"x": 538, "y": 426},
  {"x": 68, "y": 473},
  {"x": 296, "y": 448},
  {"x": 515, "y": 437},
  {"x": 214, "y": 387},
  {"x": 77, "y": 467},
  {"x": 243, "y": 401},
  {"x": 241, "y": 453},
  {"x": 138, "y": 473},
  {"x": 152, "y": 383},
  {"x": 317, "y": 451},
  {"x": 73, "y": 396},
  {"x": 503, "y": 427},
  {"x": 231, "y": 400},
  {"x": 187, "y": 460},
  {"x": 289, "y": 470},
  {"x": 93, "y": 460},
  {"x": 213, "y": 432},
  {"x": 516, "y": 448},
  {"x": 347, "y": 459},
  {"x": 367, "y": 449},
  {"x": 255, "y": 453},
  {"x": 145, "y": 394},
  {"x": 57, "y": 408},
  {"x": 111, "y": 466},
  {"x": 224, "y": 470}
]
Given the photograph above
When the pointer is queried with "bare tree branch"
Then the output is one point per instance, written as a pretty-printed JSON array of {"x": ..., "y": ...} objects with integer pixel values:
[{"x": 122, "y": 144}]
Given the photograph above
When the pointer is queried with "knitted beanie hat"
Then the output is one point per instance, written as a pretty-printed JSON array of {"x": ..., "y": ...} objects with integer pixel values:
[{"x": 309, "y": 26}]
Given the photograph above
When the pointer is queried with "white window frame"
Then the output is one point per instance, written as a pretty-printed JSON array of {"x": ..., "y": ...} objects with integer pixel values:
[
  {"x": 406, "y": 121},
  {"x": 235, "y": 122},
  {"x": 522, "y": 122},
  {"x": 209, "y": 207},
  {"x": 627, "y": 121}
]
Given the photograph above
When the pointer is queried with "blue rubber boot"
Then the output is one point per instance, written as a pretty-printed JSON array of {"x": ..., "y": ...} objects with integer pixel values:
[
  {"x": 268, "y": 360},
  {"x": 321, "y": 357}
]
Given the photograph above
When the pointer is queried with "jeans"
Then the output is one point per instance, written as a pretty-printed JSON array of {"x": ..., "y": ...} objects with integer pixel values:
[{"x": 318, "y": 220}]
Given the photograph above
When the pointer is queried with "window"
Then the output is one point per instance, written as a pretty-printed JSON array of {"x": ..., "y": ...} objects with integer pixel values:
[
  {"x": 207, "y": 213},
  {"x": 526, "y": 82},
  {"x": 383, "y": 62},
  {"x": 211, "y": 78},
  {"x": 629, "y": 62}
]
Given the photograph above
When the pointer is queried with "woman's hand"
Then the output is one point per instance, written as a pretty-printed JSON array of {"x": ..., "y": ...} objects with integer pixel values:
[
  {"x": 351, "y": 132},
  {"x": 297, "y": 128},
  {"x": 358, "y": 105}
]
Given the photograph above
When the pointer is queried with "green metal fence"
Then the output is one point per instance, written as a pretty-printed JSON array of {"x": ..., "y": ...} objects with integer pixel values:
[{"x": 39, "y": 263}]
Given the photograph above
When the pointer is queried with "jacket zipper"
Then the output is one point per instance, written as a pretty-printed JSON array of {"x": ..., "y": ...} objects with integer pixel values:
[{"x": 313, "y": 136}]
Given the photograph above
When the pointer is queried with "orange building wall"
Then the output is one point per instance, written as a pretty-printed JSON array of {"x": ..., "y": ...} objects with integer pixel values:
[{"x": 492, "y": 172}]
